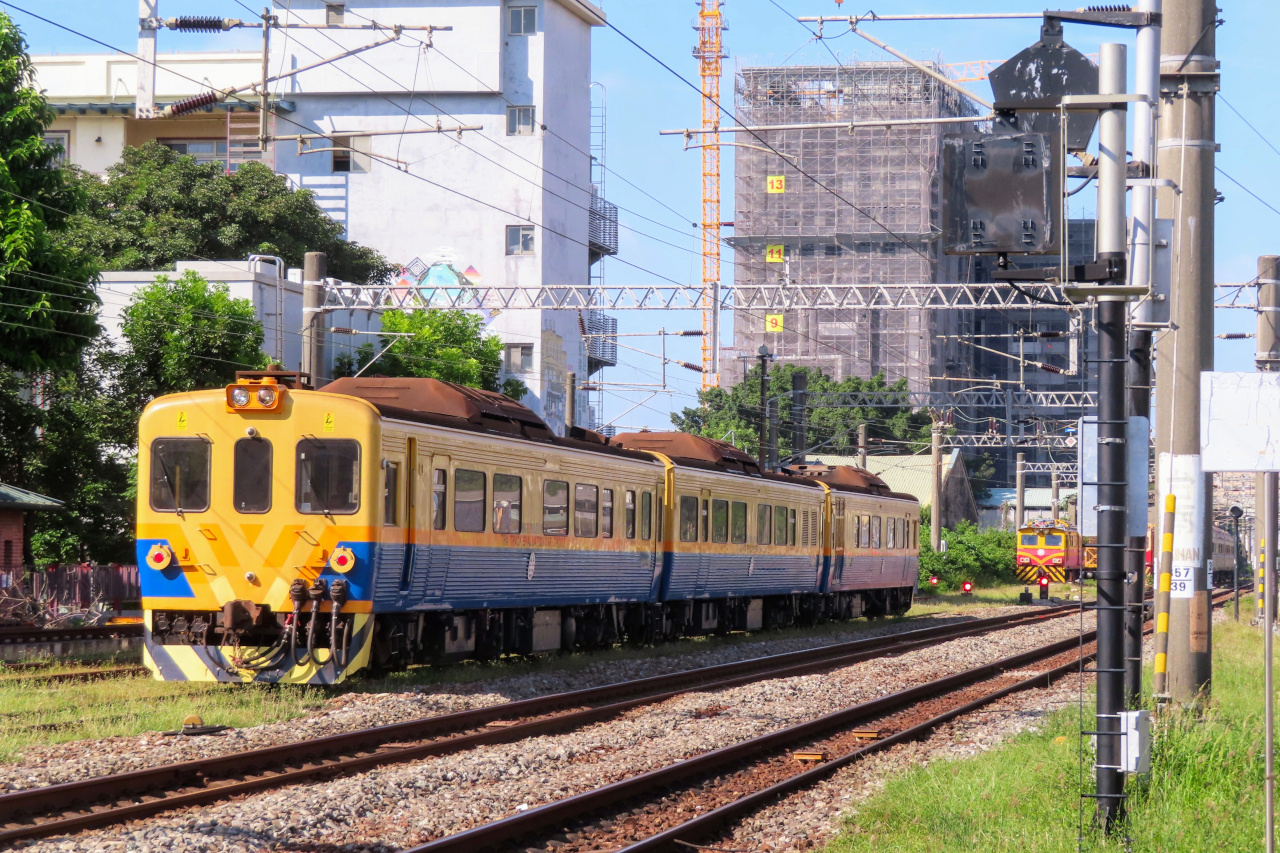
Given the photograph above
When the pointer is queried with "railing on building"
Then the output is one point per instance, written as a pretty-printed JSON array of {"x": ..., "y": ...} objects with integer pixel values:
[
  {"x": 602, "y": 339},
  {"x": 602, "y": 227}
]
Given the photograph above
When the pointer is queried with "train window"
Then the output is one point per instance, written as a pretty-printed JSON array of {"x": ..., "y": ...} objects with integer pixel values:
[
  {"x": 439, "y": 491},
  {"x": 706, "y": 522},
  {"x": 857, "y": 532},
  {"x": 779, "y": 525},
  {"x": 629, "y": 513},
  {"x": 659, "y": 519},
  {"x": 738, "y": 523},
  {"x": 180, "y": 474},
  {"x": 1053, "y": 540},
  {"x": 792, "y": 528},
  {"x": 875, "y": 531},
  {"x": 468, "y": 501},
  {"x": 390, "y": 511},
  {"x": 837, "y": 531},
  {"x": 251, "y": 489},
  {"x": 764, "y": 524},
  {"x": 804, "y": 527},
  {"x": 646, "y": 515},
  {"x": 555, "y": 508},
  {"x": 719, "y": 521},
  {"x": 328, "y": 476},
  {"x": 1029, "y": 539},
  {"x": 606, "y": 513},
  {"x": 586, "y": 510},
  {"x": 864, "y": 538},
  {"x": 507, "y": 493},
  {"x": 688, "y": 518},
  {"x": 891, "y": 533}
]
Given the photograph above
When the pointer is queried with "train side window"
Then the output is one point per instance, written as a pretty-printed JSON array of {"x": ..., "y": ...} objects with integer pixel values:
[
  {"x": 646, "y": 516},
  {"x": 764, "y": 524},
  {"x": 865, "y": 538},
  {"x": 1053, "y": 540},
  {"x": 251, "y": 490},
  {"x": 606, "y": 513},
  {"x": 180, "y": 474},
  {"x": 586, "y": 510},
  {"x": 688, "y": 518},
  {"x": 792, "y": 528},
  {"x": 328, "y": 476},
  {"x": 629, "y": 513},
  {"x": 507, "y": 493},
  {"x": 555, "y": 508},
  {"x": 875, "y": 531},
  {"x": 837, "y": 531},
  {"x": 390, "y": 491},
  {"x": 719, "y": 521},
  {"x": 660, "y": 518},
  {"x": 1030, "y": 539},
  {"x": 468, "y": 501},
  {"x": 857, "y": 532},
  {"x": 439, "y": 492},
  {"x": 738, "y": 523},
  {"x": 891, "y": 533},
  {"x": 779, "y": 525},
  {"x": 804, "y": 527},
  {"x": 706, "y": 522}
]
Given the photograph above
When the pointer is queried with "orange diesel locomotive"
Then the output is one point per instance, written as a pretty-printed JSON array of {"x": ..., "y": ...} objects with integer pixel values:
[{"x": 1049, "y": 549}]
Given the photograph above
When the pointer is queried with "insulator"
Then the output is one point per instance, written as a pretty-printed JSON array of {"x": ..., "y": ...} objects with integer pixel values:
[
  {"x": 696, "y": 368},
  {"x": 1049, "y": 368},
  {"x": 198, "y": 24},
  {"x": 691, "y": 333},
  {"x": 1109, "y": 8},
  {"x": 1050, "y": 334},
  {"x": 342, "y": 330},
  {"x": 190, "y": 105},
  {"x": 1235, "y": 336}
]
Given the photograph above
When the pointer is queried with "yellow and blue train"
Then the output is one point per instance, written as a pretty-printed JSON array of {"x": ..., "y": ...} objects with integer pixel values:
[{"x": 292, "y": 535}]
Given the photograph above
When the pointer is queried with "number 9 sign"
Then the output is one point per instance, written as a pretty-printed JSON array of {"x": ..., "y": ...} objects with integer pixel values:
[{"x": 773, "y": 322}]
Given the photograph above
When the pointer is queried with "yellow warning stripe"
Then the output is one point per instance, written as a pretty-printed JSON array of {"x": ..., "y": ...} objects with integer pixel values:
[{"x": 1161, "y": 660}]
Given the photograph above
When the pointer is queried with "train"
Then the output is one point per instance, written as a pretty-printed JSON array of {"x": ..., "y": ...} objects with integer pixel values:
[
  {"x": 1049, "y": 548},
  {"x": 292, "y": 535}
]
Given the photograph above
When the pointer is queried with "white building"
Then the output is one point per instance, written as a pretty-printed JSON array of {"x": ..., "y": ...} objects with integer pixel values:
[{"x": 508, "y": 200}]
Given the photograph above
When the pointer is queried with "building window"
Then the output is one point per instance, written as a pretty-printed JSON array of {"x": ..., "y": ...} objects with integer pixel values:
[
  {"x": 518, "y": 358},
  {"x": 520, "y": 121},
  {"x": 60, "y": 139},
  {"x": 341, "y": 153},
  {"x": 519, "y": 239},
  {"x": 522, "y": 20},
  {"x": 334, "y": 13}
]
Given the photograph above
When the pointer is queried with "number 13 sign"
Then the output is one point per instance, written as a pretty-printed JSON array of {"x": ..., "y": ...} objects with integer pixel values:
[{"x": 776, "y": 184}]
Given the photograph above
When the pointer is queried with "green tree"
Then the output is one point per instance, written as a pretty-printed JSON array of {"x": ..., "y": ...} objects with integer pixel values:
[
  {"x": 982, "y": 474},
  {"x": 47, "y": 307},
  {"x": 984, "y": 556},
  {"x": 733, "y": 414},
  {"x": 157, "y": 207},
  {"x": 439, "y": 344},
  {"x": 186, "y": 335}
]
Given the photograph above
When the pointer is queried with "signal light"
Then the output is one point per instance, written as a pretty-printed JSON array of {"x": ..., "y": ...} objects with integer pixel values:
[
  {"x": 159, "y": 557},
  {"x": 933, "y": 580},
  {"x": 966, "y": 588},
  {"x": 1044, "y": 588},
  {"x": 255, "y": 396},
  {"x": 342, "y": 560}
]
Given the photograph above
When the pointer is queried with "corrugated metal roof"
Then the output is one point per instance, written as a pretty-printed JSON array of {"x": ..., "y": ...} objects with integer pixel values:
[
  {"x": 911, "y": 474},
  {"x": 11, "y": 497},
  {"x": 1032, "y": 498}
]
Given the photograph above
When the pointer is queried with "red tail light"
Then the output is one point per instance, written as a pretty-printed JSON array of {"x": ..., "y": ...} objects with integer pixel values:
[
  {"x": 1044, "y": 581},
  {"x": 966, "y": 587},
  {"x": 933, "y": 581}
]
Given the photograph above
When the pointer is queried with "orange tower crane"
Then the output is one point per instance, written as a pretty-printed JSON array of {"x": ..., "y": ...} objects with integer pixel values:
[{"x": 710, "y": 56}]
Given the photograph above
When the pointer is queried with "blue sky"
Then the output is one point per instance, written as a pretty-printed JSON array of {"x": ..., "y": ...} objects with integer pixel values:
[{"x": 644, "y": 98}]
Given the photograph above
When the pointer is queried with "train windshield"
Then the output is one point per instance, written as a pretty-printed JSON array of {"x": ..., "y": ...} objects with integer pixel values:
[
  {"x": 1030, "y": 539},
  {"x": 1053, "y": 540},
  {"x": 328, "y": 477},
  {"x": 180, "y": 475}
]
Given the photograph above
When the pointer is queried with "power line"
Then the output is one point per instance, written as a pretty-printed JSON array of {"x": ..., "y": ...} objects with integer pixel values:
[
  {"x": 1256, "y": 197},
  {"x": 1248, "y": 123}
]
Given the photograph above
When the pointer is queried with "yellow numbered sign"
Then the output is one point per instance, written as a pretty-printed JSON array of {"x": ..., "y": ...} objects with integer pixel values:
[
  {"x": 773, "y": 322},
  {"x": 775, "y": 254},
  {"x": 182, "y": 421},
  {"x": 328, "y": 421},
  {"x": 776, "y": 184}
]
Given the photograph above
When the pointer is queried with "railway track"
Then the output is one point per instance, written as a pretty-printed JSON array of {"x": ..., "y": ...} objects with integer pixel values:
[
  {"x": 108, "y": 800},
  {"x": 33, "y": 675},
  {"x": 649, "y": 812},
  {"x": 12, "y": 635}
]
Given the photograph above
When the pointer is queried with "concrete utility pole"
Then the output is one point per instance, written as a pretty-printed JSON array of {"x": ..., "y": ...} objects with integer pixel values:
[
  {"x": 1268, "y": 503},
  {"x": 1020, "y": 489},
  {"x": 799, "y": 415},
  {"x": 145, "y": 99},
  {"x": 570, "y": 401},
  {"x": 1053, "y": 495},
  {"x": 935, "y": 493},
  {"x": 1112, "y": 319},
  {"x": 1188, "y": 82},
  {"x": 315, "y": 269},
  {"x": 764, "y": 355},
  {"x": 862, "y": 445}
]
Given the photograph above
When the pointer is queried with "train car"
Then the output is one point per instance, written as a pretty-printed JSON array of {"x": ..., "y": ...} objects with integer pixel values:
[
  {"x": 1049, "y": 549},
  {"x": 1222, "y": 563},
  {"x": 299, "y": 536}
]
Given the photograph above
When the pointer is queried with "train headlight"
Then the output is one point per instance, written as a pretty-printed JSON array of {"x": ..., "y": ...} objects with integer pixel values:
[
  {"x": 266, "y": 396},
  {"x": 159, "y": 557},
  {"x": 342, "y": 560},
  {"x": 239, "y": 396}
]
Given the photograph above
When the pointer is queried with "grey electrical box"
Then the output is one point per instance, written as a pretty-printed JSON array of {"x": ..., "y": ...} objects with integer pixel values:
[
  {"x": 1136, "y": 748},
  {"x": 999, "y": 193}
]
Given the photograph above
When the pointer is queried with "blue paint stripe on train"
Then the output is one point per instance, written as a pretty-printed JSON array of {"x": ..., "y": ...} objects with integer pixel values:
[{"x": 164, "y": 583}]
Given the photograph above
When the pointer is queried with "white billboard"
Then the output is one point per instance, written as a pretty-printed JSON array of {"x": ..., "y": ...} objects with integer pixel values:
[{"x": 1240, "y": 421}]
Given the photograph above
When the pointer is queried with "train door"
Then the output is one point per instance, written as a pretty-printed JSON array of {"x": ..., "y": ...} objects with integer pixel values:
[
  {"x": 431, "y": 518},
  {"x": 395, "y": 558},
  {"x": 836, "y": 572}
]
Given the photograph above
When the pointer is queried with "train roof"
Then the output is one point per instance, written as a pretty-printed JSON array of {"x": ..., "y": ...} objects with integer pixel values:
[{"x": 847, "y": 478}]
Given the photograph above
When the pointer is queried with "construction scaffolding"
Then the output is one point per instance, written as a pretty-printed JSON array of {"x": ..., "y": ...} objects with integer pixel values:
[{"x": 845, "y": 206}]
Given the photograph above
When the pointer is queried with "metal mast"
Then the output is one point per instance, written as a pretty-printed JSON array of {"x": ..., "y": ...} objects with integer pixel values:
[{"x": 710, "y": 56}]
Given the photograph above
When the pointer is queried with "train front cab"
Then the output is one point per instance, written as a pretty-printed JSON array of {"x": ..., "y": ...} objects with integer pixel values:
[{"x": 255, "y": 524}]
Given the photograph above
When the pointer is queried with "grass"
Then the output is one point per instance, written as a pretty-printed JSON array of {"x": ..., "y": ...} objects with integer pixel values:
[
  {"x": 32, "y": 714},
  {"x": 994, "y": 596},
  {"x": 1204, "y": 792}
]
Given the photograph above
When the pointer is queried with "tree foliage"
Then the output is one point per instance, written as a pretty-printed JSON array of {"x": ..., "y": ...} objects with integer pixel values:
[
  {"x": 187, "y": 335},
  {"x": 47, "y": 307},
  {"x": 444, "y": 344},
  {"x": 733, "y": 414},
  {"x": 984, "y": 556},
  {"x": 157, "y": 207}
]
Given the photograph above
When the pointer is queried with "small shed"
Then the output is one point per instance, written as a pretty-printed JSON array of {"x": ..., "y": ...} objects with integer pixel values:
[{"x": 15, "y": 503}]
